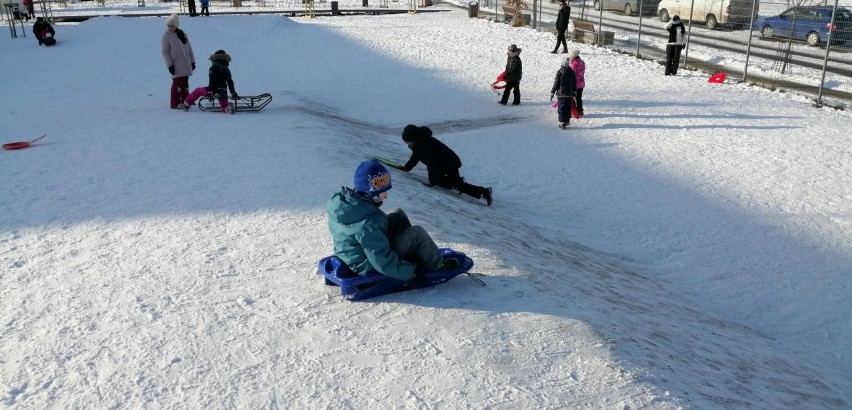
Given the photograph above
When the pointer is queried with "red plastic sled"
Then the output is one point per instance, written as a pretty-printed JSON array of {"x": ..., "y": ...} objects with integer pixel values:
[
  {"x": 21, "y": 144},
  {"x": 718, "y": 78},
  {"x": 500, "y": 83},
  {"x": 574, "y": 113}
]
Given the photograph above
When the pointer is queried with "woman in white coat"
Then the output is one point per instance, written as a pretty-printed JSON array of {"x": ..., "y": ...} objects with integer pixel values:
[{"x": 177, "y": 53}]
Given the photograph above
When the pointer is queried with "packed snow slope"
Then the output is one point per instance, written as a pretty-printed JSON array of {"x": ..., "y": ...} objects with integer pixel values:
[{"x": 686, "y": 245}]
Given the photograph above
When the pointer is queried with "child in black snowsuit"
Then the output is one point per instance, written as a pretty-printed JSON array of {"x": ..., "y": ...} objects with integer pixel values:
[
  {"x": 514, "y": 71},
  {"x": 220, "y": 78},
  {"x": 564, "y": 87},
  {"x": 44, "y": 32},
  {"x": 441, "y": 162}
]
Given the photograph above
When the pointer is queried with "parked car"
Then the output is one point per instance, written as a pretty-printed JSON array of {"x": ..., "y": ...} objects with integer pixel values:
[
  {"x": 712, "y": 13},
  {"x": 811, "y": 24},
  {"x": 630, "y": 7}
]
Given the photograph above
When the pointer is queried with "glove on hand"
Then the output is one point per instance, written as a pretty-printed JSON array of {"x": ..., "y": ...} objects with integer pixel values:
[
  {"x": 401, "y": 168},
  {"x": 234, "y": 96},
  {"x": 551, "y": 96},
  {"x": 172, "y": 70},
  {"x": 193, "y": 66}
]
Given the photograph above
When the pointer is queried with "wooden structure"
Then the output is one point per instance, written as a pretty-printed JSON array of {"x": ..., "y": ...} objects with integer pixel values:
[{"x": 584, "y": 32}]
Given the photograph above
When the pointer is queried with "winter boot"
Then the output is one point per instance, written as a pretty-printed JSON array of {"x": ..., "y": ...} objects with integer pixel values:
[
  {"x": 182, "y": 105},
  {"x": 449, "y": 264},
  {"x": 563, "y": 125},
  {"x": 487, "y": 196}
]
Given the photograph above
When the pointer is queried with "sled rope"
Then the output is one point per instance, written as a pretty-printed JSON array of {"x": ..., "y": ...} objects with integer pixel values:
[{"x": 475, "y": 278}]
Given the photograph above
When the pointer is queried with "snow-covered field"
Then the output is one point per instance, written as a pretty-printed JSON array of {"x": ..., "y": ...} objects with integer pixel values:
[{"x": 672, "y": 249}]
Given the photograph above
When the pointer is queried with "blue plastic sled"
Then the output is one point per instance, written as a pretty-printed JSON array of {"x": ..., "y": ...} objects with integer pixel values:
[{"x": 355, "y": 287}]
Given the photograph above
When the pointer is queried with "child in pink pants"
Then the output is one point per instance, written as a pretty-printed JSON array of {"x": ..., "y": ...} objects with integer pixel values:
[{"x": 220, "y": 78}]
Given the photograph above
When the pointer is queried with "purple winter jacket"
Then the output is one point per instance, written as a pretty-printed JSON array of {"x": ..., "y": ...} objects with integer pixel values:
[{"x": 177, "y": 54}]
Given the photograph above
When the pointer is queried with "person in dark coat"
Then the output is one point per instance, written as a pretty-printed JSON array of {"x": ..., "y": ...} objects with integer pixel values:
[
  {"x": 562, "y": 20},
  {"x": 677, "y": 42},
  {"x": 220, "y": 78},
  {"x": 564, "y": 86},
  {"x": 44, "y": 32},
  {"x": 366, "y": 239},
  {"x": 514, "y": 72},
  {"x": 191, "y": 8},
  {"x": 441, "y": 162}
]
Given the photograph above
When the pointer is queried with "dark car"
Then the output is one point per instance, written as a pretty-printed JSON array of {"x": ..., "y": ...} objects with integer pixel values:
[{"x": 811, "y": 24}]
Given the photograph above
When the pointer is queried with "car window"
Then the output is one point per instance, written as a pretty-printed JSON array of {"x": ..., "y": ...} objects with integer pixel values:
[{"x": 789, "y": 13}]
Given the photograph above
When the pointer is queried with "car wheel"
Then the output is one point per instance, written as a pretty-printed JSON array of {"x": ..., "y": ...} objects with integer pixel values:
[
  {"x": 628, "y": 9},
  {"x": 711, "y": 22},
  {"x": 813, "y": 38},
  {"x": 767, "y": 32},
  {"x": 597, "y": 5},
  {"x": 664, "y": 16}
]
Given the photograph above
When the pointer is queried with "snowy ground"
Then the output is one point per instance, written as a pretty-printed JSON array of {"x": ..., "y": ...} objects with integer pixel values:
[{"x": 670, "y": 250}]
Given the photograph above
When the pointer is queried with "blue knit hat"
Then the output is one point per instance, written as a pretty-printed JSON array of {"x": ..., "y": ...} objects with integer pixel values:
[{"x": 372, "y": 178}]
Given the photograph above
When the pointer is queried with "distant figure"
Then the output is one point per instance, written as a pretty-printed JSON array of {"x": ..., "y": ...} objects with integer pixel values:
[
  {"x": 44, "y": 32},
  {"x": 563, "y": 87},
  {"x": 441, "y": 162},
  {"x": 514, "y": 72},
  {"x": 17, "y": 14},
  {"x": 367, "y": 239},
  {"x": 179, "y": 58},
  {"x": 579, "y": 67},
  {"x": 204, "y": 9},
  {"x": 191, "y": 8},
  {"x": 220, "y": 83},
  {"x": 28, "y": 4},
  {"x": 677, "y": 37},
  {"x": 562, "y": 20}
]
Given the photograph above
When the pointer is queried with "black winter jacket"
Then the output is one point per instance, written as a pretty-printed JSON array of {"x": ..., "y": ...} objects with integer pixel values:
[
  {"x": 514, "y": 68},
  {"x": 562, "y": 18},
  {"x": 220, "y": 77},
  {"x": 437, "y": 157},
  {"x": 565, "y": 83}
]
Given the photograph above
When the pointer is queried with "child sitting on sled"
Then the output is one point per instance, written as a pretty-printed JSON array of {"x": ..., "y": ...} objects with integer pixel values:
[
  {"x": 367, "y": 239},
  {"x": 220, "y": 77}
]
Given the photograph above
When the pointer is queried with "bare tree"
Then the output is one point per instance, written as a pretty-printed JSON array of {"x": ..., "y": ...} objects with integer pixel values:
[{"x": 517, "y": 6}]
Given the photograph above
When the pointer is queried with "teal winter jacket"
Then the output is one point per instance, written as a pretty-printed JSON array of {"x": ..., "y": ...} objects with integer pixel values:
[{"x": 359, "y": 230}]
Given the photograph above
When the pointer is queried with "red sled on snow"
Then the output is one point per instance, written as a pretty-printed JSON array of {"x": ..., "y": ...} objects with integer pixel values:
[{"x": 718, "y": 78}]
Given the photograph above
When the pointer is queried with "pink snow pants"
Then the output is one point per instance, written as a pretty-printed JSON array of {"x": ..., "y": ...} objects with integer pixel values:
[{"x": 200, "y": 92}]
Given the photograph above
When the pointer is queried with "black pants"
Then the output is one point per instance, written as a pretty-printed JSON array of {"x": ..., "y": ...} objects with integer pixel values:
[
  {"x": 204, "y": 10},
  {"x": 578, "y": 99},
  {"x": 191, "y": 6},
  {"x": 512, "y": 86},
  {"x": 560, "y": 39},
  {"x": 672, "y": 58},
  {"x": 450, "y": 179}
]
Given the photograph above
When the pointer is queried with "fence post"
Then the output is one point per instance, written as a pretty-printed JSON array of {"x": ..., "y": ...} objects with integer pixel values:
[
  {"x": 825, "y": 60},
  {"x": 750, "y": 32}
]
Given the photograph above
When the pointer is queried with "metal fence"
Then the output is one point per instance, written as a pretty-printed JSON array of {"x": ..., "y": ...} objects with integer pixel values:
[{"x": 800, "y": 45}]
